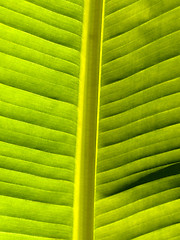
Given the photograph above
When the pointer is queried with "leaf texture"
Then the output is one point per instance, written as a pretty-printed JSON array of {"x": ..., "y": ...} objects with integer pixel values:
[
  {"x": 137, "y": 182},
  {"x": 138, "y": 169},
  {"x": 39, "y": 79}
]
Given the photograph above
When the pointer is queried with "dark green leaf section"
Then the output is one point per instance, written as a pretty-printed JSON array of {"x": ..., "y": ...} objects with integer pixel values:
[
  {"x": 138, "y": 167},
  {"x": 40, "y": 44}
]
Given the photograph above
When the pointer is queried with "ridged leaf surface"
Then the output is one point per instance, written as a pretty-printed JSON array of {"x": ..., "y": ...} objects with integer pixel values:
[
  {"x": 39, "y": 77},
  {"x": 137, "y": 182},
  {"x": 67, "y": 67}
]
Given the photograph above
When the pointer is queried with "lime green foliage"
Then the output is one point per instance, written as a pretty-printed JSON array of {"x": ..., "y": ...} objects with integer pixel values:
[
  {"x": 39, "y": 64},
  {"x": 138, "y": 157},
  {"x": 71, "y": 90}
]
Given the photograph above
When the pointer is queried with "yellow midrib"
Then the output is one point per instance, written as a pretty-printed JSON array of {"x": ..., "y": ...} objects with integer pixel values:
[{"x": 83, "y": 227}]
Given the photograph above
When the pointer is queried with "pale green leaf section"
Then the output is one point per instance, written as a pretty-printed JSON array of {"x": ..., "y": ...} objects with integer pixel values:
[
  {"x": 138, "y": 167},
  {"x": 55, "y": 118},
  {"x": 39, "y": 79}
]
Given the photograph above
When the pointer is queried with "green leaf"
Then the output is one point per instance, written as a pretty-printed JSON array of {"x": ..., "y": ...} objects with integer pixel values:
[
  {"x": 137, "y": 182},
  {"x": 89, "y": 119},
  {"x": 39, "y": 66}
]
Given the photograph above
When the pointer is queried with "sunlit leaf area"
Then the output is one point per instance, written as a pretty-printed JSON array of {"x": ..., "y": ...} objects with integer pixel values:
[{"x": 136, "y": 169}]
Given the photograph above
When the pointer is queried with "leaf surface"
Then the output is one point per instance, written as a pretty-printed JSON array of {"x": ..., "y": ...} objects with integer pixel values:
[
  {"x": 89, "y": 105},
  {"x": 137, "y": 182},
  {"x": 39, "y": 65}
]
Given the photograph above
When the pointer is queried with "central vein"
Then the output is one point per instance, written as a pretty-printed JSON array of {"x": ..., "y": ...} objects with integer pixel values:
[{"x": 83, "y": 227}]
